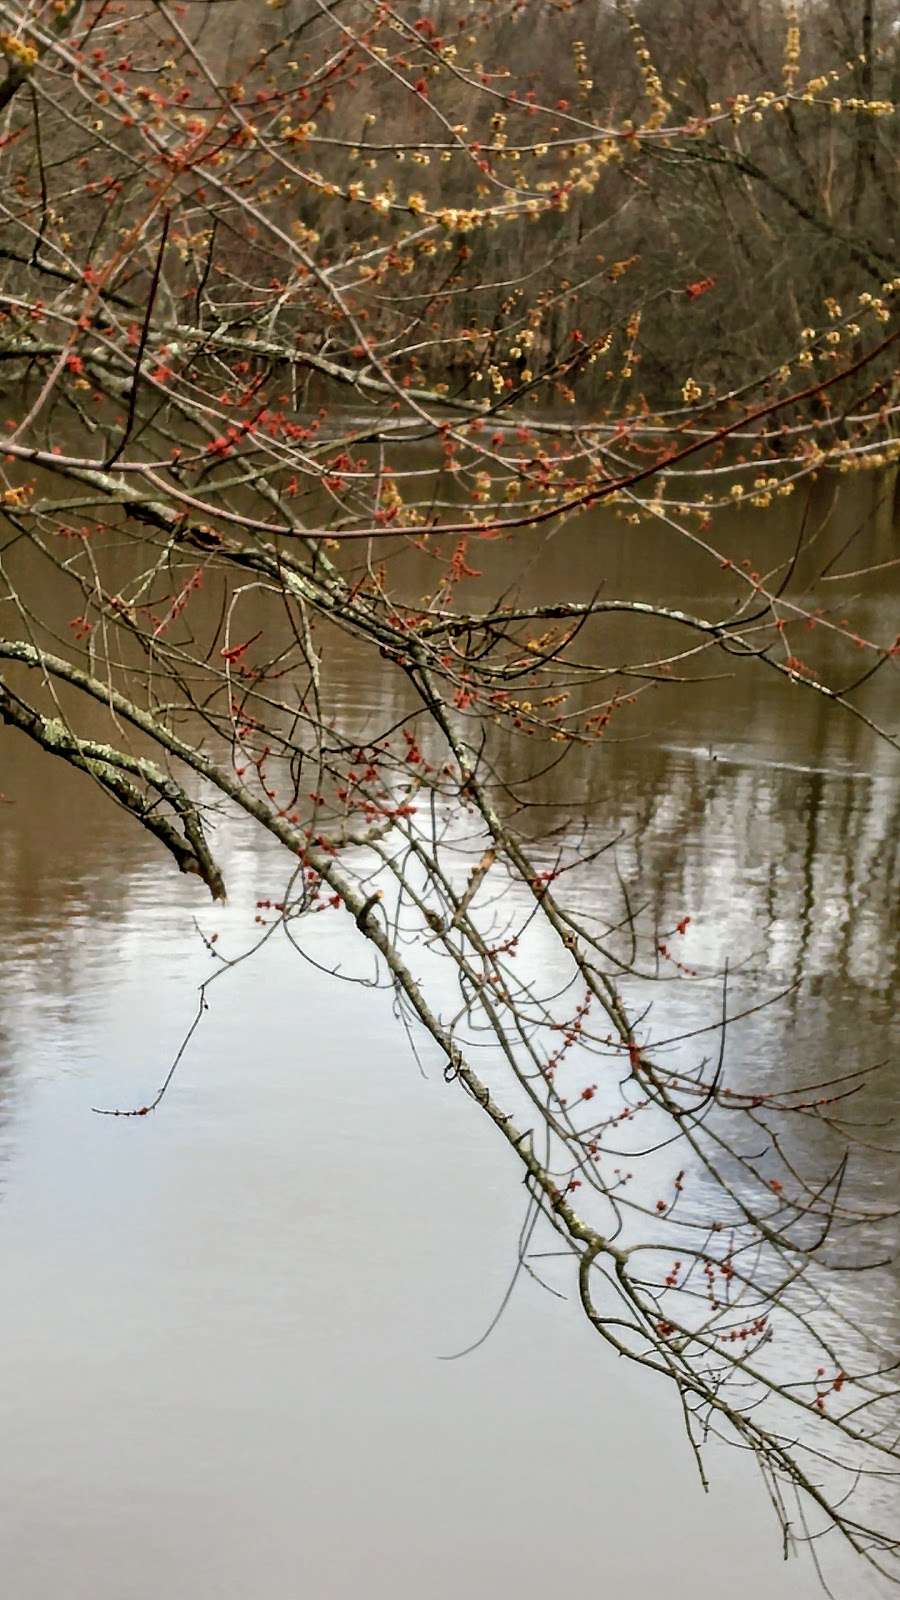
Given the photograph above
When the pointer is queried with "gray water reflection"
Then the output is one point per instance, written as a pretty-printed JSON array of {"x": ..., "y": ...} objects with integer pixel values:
[{"x": 222, "y": 1325}]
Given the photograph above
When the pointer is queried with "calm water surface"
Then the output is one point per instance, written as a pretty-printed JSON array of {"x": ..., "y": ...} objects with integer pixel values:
[{"x": 222, "y": 1324}]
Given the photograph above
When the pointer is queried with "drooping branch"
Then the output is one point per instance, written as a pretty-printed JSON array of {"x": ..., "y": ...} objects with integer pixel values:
[{"x": 114, "y": 771}]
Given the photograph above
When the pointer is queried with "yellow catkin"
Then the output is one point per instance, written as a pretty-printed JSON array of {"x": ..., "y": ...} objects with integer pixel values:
[
  {"x": 653, "y": 89},
  {"x": 791, "y": 64}
]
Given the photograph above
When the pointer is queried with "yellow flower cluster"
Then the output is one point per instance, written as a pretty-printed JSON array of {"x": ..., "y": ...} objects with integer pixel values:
[
  {"x": 764, "y": 487},
  {"x": 304, "y": 236},
  {"x": 872, "y": 108},
  {"x": 582, "y": 71},
  {"x": 297, "y": 133},
  {"x": 873, "y": 461},
  {"x": 461, "y": 221},
  {"x": 18, "y": 51},
  {"x": 17, "y": 496},
  {"x": 791, "y": 47},
  {"x": 653, "y": 88}
]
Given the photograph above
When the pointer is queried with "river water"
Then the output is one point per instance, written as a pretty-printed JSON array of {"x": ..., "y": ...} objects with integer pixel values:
[{"x": 223, "y": 1324}]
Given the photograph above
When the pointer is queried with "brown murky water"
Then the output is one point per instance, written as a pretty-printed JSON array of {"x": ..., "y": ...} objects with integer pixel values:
[{"x": 222, "y": 1324}]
